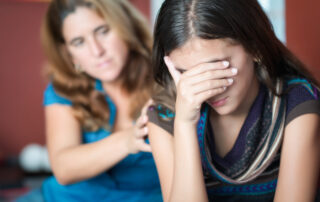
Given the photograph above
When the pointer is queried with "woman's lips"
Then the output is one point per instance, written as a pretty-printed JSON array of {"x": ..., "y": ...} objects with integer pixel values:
[{"x": 104, "y": 64}]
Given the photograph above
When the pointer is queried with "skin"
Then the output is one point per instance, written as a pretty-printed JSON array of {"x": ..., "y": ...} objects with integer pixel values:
[
  {"x": 208, "y": 67},
  {"x": 102, "y": 54},
  {"x": 94, "y": 45}
]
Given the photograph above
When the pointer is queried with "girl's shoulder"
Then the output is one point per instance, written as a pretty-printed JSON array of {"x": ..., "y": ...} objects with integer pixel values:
[
  {"x": 161, "y": 116},
  {"x": 302, "y": 97},
  {"x": 302, "y": 85}
]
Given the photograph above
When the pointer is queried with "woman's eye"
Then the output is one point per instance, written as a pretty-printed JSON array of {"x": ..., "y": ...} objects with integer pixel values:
[
  {"x": 77, "y": 43},
  {"x": 103, "y": 30}
]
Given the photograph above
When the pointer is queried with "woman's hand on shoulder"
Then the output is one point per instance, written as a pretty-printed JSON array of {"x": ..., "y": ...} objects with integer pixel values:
[{"x": 137, "y": 134}]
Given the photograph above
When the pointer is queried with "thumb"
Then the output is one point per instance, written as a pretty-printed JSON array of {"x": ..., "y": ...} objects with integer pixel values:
[{"x": 174, "y": 73}]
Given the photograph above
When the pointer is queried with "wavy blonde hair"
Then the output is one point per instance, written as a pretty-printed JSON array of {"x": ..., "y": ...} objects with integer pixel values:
[{"x": 89, "y": 105}]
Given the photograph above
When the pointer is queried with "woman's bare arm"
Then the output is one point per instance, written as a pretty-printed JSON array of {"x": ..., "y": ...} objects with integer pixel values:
[{"x": 72, "y": 161}]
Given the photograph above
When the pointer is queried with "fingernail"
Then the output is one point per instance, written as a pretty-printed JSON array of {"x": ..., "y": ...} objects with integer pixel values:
[
  {"x": 230, "y": 81},
  {"x": 225, "y": 63},
  {"x": 234, "y": 71}
]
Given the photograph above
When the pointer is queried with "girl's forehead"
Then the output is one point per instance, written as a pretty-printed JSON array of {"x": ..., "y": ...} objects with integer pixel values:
[{"x": 196, "y": 51}]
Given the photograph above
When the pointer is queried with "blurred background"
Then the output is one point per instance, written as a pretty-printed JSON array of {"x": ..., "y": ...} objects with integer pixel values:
[{"x": 22, "y": 81}]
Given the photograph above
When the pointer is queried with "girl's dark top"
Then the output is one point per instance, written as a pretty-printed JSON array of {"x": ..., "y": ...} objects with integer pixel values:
[{"x": 300, "y": 97}]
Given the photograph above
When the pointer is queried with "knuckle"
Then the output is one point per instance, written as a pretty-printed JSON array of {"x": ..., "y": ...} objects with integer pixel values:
[
  {"x": 225, "y": 82},
  {"x": 208, "y": 74},
  {"x": 202, "y": 68},
  {"x": 209, "y": 83},
  {"x": 222, "y": 82},
  {"x": 222, "y": 89},
  {"x": 219, "y": 73},
  {"x": 216, "y": 91}
]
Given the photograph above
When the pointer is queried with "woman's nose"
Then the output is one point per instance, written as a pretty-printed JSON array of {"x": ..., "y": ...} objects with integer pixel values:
[{"x": 96, "y": 48}]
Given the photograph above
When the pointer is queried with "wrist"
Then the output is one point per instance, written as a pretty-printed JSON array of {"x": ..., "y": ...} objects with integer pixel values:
[
  {"x": 185, "y": 122},
  {"x": 178, "y": 122},
  {"x": 125, "y": 141},
  {"x": 185, "y": 129}
]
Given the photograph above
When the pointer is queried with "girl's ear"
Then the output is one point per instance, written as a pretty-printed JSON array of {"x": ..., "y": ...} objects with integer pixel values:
[{"x": 257, "y": 58}]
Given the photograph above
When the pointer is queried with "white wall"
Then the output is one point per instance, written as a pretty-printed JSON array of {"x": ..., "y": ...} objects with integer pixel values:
[
  {"x": 155, "y": 6},
  {"x": 275, "y": 9}
]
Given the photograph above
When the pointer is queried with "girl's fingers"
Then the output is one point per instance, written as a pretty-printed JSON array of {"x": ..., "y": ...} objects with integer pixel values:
[
  {"x": 174, "y": 73},
  {"x": 210, "y": 75},
  {"x": 197, "y": 99},
  {"x": 208, "y": 66},
  {"x": 205, "y": 95},
  {"x": 209, "y": 85}
]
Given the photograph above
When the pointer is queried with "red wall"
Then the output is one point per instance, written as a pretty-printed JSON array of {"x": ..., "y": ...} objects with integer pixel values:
[
  {"x": 303, "y": 32},
  {"x": 21, "y": 60},
  {"x": 21, "y": 80},
  {"x": 143, "y": 6},
  {"x": 21, "y": 83}
]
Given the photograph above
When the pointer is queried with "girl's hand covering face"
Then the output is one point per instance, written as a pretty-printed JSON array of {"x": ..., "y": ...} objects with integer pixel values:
[{"x": 197, "y": 85}]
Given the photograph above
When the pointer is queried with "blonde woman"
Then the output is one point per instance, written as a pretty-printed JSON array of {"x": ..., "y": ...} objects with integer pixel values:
[{"x": 99, "y": 63}]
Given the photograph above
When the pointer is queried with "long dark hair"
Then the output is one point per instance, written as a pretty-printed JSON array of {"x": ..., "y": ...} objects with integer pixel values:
[
  {"x": 89, "y": 105},
  {"x": 241, "y": 20}
]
